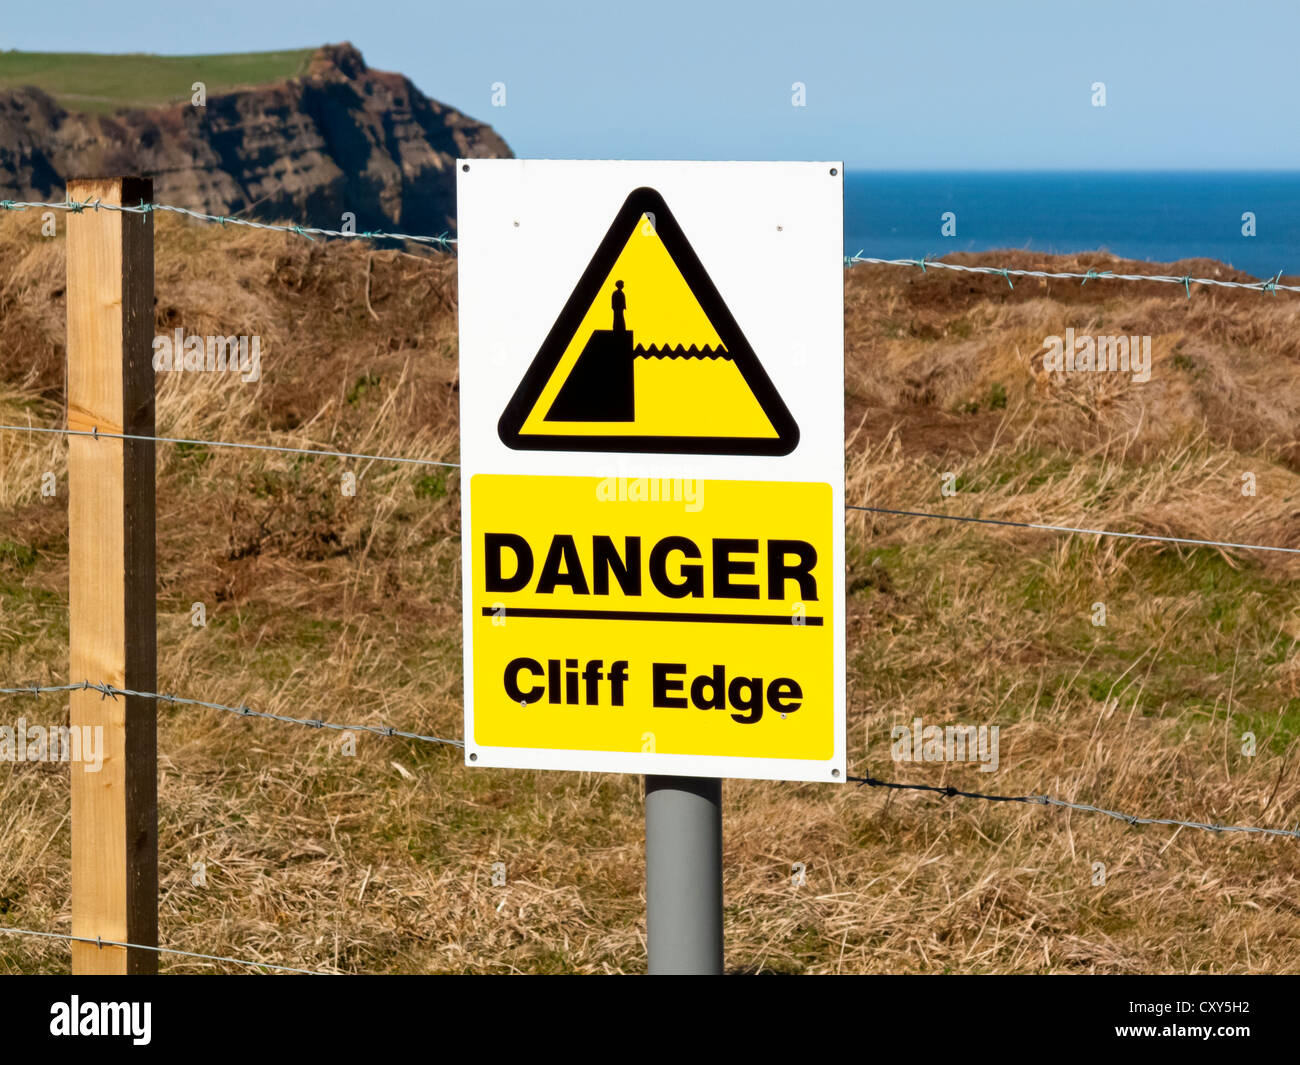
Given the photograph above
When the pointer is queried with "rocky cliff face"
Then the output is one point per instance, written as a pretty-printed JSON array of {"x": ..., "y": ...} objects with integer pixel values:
[{"x": 340, "y": 138}]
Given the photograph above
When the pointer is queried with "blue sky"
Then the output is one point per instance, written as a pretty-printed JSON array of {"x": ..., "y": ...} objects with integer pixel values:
[{"x": 904, "y": 85}]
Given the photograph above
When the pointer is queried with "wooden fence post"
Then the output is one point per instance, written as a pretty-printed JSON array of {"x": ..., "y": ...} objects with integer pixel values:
[{"x": 112, "y": 627}]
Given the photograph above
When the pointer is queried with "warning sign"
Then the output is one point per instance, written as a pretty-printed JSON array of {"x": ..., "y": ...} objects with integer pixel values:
[
  {"x": 663, "y": 625},
  {"x": 652, "y": 452},
  {"x": 645, "y": 356}
]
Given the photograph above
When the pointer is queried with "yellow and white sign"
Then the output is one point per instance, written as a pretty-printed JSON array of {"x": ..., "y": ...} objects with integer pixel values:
[{"x": 652, "y": 467}]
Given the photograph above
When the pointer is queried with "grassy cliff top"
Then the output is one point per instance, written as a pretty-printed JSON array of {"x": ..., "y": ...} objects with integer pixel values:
[{"x": 83, "y": 81}]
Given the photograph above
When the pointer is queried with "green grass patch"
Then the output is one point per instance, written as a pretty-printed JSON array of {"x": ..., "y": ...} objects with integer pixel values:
[
  {"x": 431, "y": 486},
  {"x": 83, "y": 81},
  {"x": 364, "y": 384},
  {"x": 16, "y": 556}
]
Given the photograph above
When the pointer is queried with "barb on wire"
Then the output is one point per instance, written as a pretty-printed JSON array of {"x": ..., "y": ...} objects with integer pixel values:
[
  {"x": 310, "y": 232},
  {"x": 96, "y": 434},
  {"x": 1270, "y": 285},
  {"x": 109, "y": 691},
  {"x": 101, "y": 943},
  {"x": 1071, "y": 529},
  {"x": 1048, "y": 800}
]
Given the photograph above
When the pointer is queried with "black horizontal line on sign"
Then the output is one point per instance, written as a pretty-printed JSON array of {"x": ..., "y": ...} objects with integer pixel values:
[{"x": 651, "y": 615}]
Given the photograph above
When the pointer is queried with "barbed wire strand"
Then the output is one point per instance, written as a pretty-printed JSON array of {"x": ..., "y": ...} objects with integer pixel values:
[
  {"x": 1191, "y": 541},
  {"x": 1270, "y": 285},
  {"x": 110, "y": 691},
  {"x": 1070, "y": 529},
  {"x": 310, "y": 232},
  {"x": 1048, "y": 800},
  {"x": 96, "y": 434},
  {"x": 101, "y": 943}
]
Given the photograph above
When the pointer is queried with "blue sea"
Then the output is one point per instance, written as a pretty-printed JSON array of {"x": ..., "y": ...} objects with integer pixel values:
[{"x": 1158, "y": 217}]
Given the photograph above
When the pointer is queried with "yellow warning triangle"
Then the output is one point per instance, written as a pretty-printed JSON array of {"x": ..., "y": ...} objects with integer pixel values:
[{"x": 645, "y": 357}]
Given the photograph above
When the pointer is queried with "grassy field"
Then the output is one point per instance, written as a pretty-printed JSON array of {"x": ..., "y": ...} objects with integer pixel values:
[
  {"x": 345, "y": 608},
  {"x": 83, "y": 81}
]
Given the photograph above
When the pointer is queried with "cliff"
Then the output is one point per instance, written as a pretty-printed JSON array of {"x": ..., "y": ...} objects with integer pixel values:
[{"x": 341, "y": 137}]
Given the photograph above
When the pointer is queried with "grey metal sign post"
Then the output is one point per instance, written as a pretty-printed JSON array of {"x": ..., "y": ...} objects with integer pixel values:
[{"x": 683, "y": 874}]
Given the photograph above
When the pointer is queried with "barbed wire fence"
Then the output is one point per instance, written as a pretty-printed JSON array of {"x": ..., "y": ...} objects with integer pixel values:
[
  {"x": 1270, "y": 285},
  {"x": 933, "y": 515},
  {"x": 443, "y": 242},
  {"x": 109, "y": 691},
  {"x": 310, "y": 232},
  {"x": 446, "y": 243},
  {"x": 102, "y": 943}
]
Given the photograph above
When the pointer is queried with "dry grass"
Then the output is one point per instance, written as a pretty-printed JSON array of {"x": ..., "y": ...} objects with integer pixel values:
[{"x": 348, "y": 608}]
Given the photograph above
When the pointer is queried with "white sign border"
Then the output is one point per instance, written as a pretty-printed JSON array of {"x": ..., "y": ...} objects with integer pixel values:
[{"x": 498, "y": 195}]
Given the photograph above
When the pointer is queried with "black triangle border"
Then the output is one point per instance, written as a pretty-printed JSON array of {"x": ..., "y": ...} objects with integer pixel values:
[{"x": 641, "y": 201}]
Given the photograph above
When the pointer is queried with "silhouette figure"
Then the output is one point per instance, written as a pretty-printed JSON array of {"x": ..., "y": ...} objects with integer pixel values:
[
  {"x": 619, "y": 301},
  {"x": 600, "y": 387}
]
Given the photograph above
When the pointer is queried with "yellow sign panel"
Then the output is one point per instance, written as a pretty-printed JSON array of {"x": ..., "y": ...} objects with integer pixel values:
[
  {"x": 646, "y": 356},
  {"x": 644, "y": 615}
]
